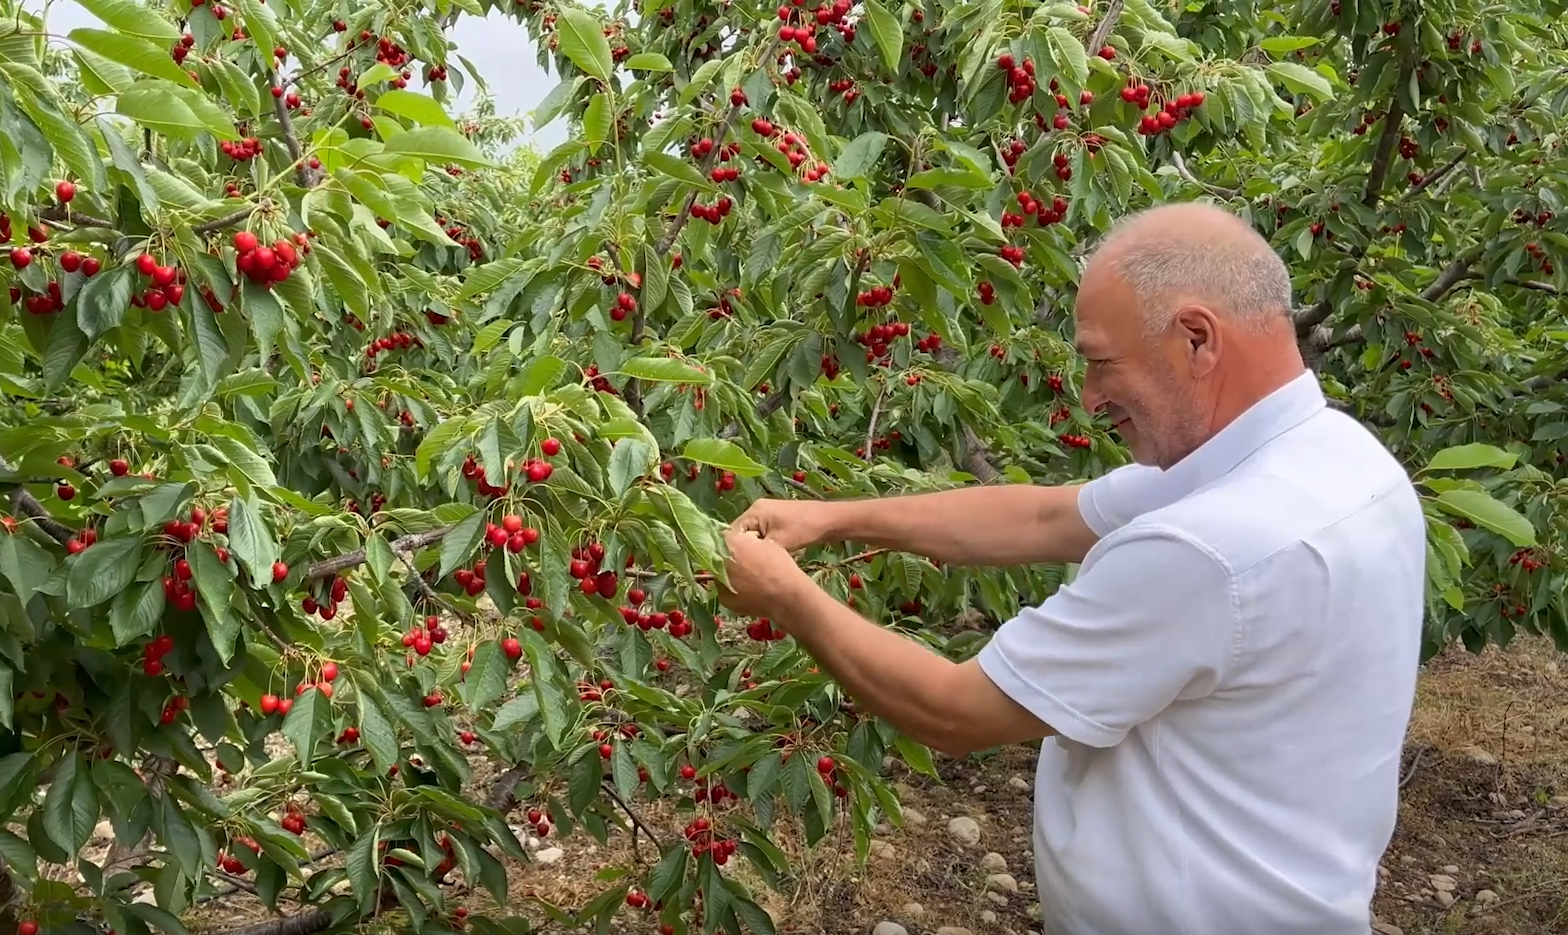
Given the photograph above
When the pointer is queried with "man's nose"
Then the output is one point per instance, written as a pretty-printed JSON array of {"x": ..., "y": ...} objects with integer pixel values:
[{"x": 1091, "y": 395}]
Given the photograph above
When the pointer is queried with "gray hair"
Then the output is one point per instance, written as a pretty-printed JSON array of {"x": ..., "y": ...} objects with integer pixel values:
[{"x": 1235, "y": 272}]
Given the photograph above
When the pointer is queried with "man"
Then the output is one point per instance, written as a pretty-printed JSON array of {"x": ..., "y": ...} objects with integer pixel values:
[{"x": 1223, "y": 691}]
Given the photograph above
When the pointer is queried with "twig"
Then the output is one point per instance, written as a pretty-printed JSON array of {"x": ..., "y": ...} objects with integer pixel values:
[
  {"x": 410, "y": 543},
  {"x": 871, "y": 425},
  {"x": 668, "y": 240},
  {"x": 1102, "y": 32},
  {"x": 28, "y": 505},
  {"x": 638, "y": 822},
  {"x": 429, "y": 593},
  {"x": 766, "y": 408},
  {"x": 976, "y": 455},
  {"x": 1383, "y": 156},
  {"x": 229, "y": 220},
  {"x": 1432, "y": 178},
  {"x": 1180, "y": 165}
]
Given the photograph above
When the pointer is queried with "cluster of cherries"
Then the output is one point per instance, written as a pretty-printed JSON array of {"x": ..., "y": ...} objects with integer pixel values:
[
  {"x": 242, "y": 150},
  {"x": 397, "y": 340},
  {"x": 585, "y": 567},
  {"x": 1176, "y": 110},
  {"x": 268, "y": 265},
  {"x": 336, "y": 592},
  {"x": 673, "y": 621},
  {"x": 1020, "y": 78},
  {"x": 1526, "y": 559},
  {"x": 1045, "y": 213},
  {"x": 763, "y": 631},
  {"x": 699, "y": 833},
  {"x": 601, "y": 384},
  {"x": 232, "y": 864},
  {"x": 423, "y": 639},
  {"x": 153, "y": 652}
]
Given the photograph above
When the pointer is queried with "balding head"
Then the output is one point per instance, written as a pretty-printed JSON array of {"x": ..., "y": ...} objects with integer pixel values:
[
  {"x": 1183, "y": 316},
  {"x": 1197, "y": 253}
]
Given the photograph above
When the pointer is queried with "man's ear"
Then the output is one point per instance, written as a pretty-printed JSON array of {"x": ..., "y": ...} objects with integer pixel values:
[{"x": 1199, "y": 330}]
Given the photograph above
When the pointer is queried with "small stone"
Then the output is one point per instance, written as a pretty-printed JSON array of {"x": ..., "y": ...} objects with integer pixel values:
[
  {"x": 1018, "y": 784},
  {"x": 953, "y": 930},
  {"x": 914, "y": 817},
  {"x": 964, "y": 830},
  {"x": 549, "y": 855},
  {"x": 1558, "y": 801},
  {"x": 980, "y": 789},
  {"x": 889, "y": 928},
  {"x": 988, "y": 917},
  {"x": 993, "y": 863},
  {"x": 912, "y": 912},
  {"x": 883, "y": 827},
  {"x": 1001, "y": 883},
  {"x": 1477, "y": 755},
  {"x": 1407, "y": 860},
  {"x": 1443, "y": 883},
  {"x": 1486, "y": 898},
  {"x": 1451, "y": 868},
  {"x": 881, "y": 850},
  {"x": 1445, "y": 898},
  {"x": 996, "y": 898}
]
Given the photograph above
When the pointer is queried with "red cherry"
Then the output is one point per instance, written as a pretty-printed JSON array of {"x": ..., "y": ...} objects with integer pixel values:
[
  {"x": 329, "y": 671},
  {"x": 280, "y": 571},
  {"x": 269, "y": 704},
  {"x": 551, "y": 447}
]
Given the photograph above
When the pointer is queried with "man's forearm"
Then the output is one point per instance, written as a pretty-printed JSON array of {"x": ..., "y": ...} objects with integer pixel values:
[
  {"x": 888, "y": 674},
  {"x": 1012, "y": 524}
]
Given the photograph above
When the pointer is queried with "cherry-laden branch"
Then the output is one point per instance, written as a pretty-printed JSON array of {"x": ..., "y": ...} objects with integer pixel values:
[
  {"x": 668, "y": 240},
  {"x": 1393, "y": 124},
  {"x": 409, "y": 543},
  {"x": 303, "y": 173},
  {"x": 27, "y": 505}
]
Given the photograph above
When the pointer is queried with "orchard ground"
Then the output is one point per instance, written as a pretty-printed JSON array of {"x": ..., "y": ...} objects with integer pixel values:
[{"x": 1481, "y": 846}]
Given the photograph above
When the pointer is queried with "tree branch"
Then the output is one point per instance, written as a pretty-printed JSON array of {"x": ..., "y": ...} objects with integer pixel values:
[
  {"x": 1432, "y": 178},
  {"x": 500, "y": 797},
  {"x": 1102, "y": 32},
  {"x": 60, "y": 214},
  {"x": 410, "y": 543},
  {"x": 871, "y": 427},
  {"x": 303, "y": 173},
  {"x": 27, "y": 505},
  {"x": 1180, "y": 165},
  {"x": 229, "y": 220},
  {"x": 638, "y": 822},
  {"x": 1383, "y": 156},
  {"x": 668, "y": 240}
]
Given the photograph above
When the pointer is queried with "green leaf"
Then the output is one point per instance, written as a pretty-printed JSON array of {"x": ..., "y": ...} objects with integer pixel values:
[
  {"x": 375, "y": 729},
  {"x": 416, "y": 107},
  {"x": 459, "y": 544},
  {"x": 722, "y": 454},
  {"x": 630, "y": 459},
  {"x": 677, "y": 168},
  {"x": 305, "y": 724},
  {"x": 363, "y": 866},
  {"x": 886, "y": 32},
  {"x": 136, "y": 611},
  {"x": 1488, "y": 513},
  {"x": 1284, "y": 45},
  {"x": 648, "y": 61},
  {"x": 159, "y": 110},
  {"x": 64, "y": 351},
  {"x": 1467, "y": 457},
  {"x": 438, "y": 145},
  {"x": 1068, "y": 54},
  {"x": 1300, "y": 79},
  {"x": 103, "y": 570},
  {"x": 132, "y": 18},
  {"x": 859, "y": 155},
  {"x": 580, "y": 36},
  {"x": 249, "y": 463},
  {"x": 378, "y": 556},
  {"x": 71, "y": 806},
  {"x": 261, "y": 26},
  {"x": 597, "y": 123},
  {"x": 251, "y": 540},
  {"x": 486, "y": 678},
  {"x": 665, "y": 370},
  {"x": 25, "y": 564},
  {"x": 582, "y": 785},
  {"x": 214, "y": 589},
  {"x": 133, "y": 52},
  {"x": 104, "y": 300}
]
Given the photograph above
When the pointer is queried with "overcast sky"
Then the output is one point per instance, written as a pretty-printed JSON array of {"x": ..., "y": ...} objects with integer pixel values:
[{"x": 497, "y": 46}]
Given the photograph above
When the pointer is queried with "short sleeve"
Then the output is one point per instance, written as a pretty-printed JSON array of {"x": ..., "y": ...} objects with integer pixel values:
[
  {"x": 1154, "y": 617},
  {"x": 1110, "y": 502}
]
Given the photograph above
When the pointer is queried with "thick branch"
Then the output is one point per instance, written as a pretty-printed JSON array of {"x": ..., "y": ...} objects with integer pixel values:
[
  {"x": 638, "y": 822},
  {"x": 500, "y": 797},
  {"x": 303, "y": 173},
  {"x": 1433, "y": 177},
  {"x": 1307, "y": 319},
  {"x": 60, "y": 214},
  {"x": 1383, "y": 156},
  {"x": 27, "y": 505},
  {"x": 411, "y": 543},
  {"x": 1102, "y": 32}
]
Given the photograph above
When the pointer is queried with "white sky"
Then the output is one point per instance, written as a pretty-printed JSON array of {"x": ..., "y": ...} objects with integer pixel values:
[{"x": 498, "y": 47}]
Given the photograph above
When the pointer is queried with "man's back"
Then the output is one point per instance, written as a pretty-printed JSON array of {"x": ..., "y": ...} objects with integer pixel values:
[{"x": 1262, "y": 796}]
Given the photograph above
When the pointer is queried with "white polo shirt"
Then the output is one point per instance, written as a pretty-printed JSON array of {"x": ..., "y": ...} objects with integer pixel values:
[{"x": 1230, "y": 677}]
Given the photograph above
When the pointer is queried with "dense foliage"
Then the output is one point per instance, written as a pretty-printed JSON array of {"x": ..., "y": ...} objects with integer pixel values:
[{"x": 354, "y": 461}]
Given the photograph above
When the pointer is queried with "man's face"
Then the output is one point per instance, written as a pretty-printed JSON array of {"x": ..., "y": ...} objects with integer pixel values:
[{"x": 1142, "y": 383}]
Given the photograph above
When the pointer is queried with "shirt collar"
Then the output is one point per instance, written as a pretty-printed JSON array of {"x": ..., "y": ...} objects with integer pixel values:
[{"x": 1266, "y": 420}]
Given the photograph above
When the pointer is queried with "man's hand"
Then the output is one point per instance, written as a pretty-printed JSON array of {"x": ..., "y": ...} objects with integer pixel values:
[
  {"x": 762, "y": 574},
  {"x": 792, "y": 524}
]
